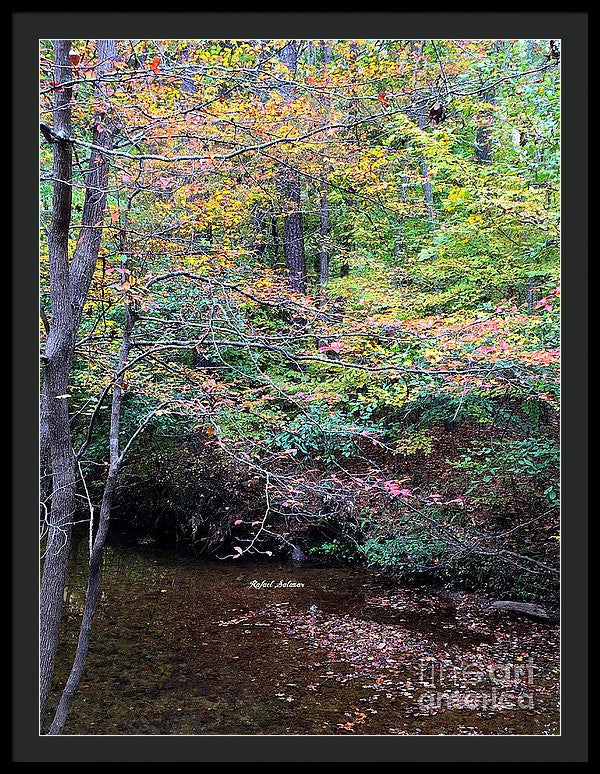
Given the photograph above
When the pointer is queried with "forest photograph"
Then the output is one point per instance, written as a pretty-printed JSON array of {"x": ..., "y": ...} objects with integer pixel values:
[{"x": 299, "y": 402}]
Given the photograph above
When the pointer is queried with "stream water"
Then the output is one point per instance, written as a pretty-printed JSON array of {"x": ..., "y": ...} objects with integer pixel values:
[{"x": 187, "y": 646}]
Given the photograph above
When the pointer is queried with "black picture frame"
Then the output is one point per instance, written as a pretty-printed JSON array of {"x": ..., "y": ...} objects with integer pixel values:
[{"x": 571, "y": 29}]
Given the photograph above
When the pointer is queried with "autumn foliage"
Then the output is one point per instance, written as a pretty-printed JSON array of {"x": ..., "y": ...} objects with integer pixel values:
[{"x": 429, "y": 320}]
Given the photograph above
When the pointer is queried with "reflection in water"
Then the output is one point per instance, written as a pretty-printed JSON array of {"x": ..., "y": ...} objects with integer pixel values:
[{"x": 182, "y": 646}]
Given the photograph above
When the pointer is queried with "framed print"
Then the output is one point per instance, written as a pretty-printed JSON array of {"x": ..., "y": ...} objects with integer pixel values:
[{"x": 299, "y": 386}]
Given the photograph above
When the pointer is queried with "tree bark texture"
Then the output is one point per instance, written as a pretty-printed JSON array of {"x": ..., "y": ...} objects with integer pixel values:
[
  {"x": 483, "y": 141},
  {"x": 54, "y": 403},
  {"x": 69, "y": 286},
  {"x": 325, "y": 226},
  {"x": 291, "y": 188},
  {"x": 95, "y": 563}
]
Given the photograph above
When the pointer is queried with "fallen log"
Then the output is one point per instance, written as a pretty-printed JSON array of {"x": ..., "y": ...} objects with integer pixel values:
[{"x": 528, "y": 609}]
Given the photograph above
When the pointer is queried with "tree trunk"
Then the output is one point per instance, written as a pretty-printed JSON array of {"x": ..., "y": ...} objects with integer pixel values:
[
  {"x": 290, "y": 186},
  {"x": 425, "y": 177},
  {"x": 324, "y": 234},
  {"x": 69, "y": 286},
  {"x": 422, "y": 122},
  {"x": 54, "y": 404},
  {"x": 95, "y": 564},
  {"x": 483, "y": 142},
  {"x": 324, "y": 227},
  {"x": 86, "y": 251},
  {"x": 293, "y": 235}
]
